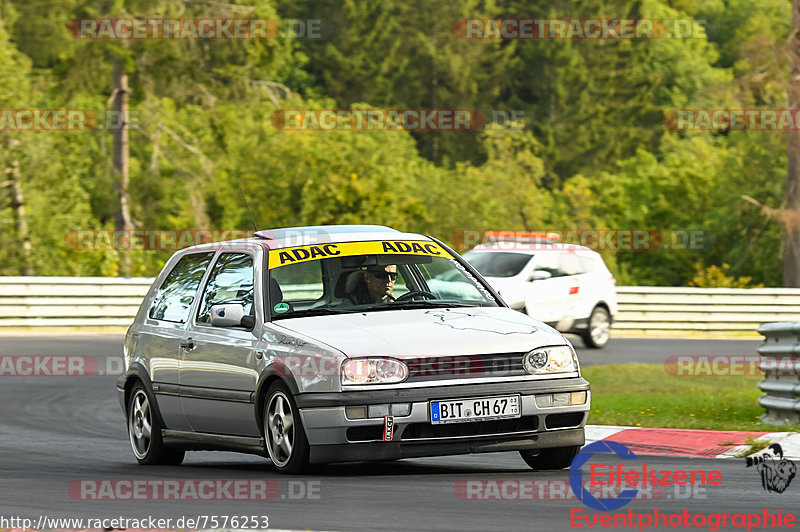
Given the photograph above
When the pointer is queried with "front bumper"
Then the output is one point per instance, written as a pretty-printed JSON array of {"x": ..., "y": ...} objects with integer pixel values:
[{"x": 336, "y": 438}]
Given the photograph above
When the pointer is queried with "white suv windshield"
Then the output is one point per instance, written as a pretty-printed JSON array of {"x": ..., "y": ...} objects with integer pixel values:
[{"x": 371, "y": 282}]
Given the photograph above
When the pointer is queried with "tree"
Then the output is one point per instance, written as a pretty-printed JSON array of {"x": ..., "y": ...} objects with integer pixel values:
[
  {"x": 791, "y": 249},
  {"x": 406, "y": 55}
]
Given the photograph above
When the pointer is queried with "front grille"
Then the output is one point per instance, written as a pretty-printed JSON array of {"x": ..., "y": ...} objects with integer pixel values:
[
  {"x": 416, "y": 431},
  {"x": 559, "y": 421},
  {"x": 465, "y": 366}
]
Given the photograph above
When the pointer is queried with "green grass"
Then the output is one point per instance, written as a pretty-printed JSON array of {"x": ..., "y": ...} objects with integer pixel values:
[
  {"x": 755, "y": 446},
  {"x": 645, "y": 395}
]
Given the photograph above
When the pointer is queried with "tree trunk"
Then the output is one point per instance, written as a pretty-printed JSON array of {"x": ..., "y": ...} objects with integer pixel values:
[
  {"x": 18, "y": 205},
  {"x": 122, "y": 217}
]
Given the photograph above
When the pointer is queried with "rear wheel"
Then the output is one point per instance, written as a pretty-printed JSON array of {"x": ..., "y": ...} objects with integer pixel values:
[
  {"x": 144, "y": 432},
  {"x": 553, "y": 458},
  {"x": 596, "y": 336},
  {"x": 284, "y": 435}
]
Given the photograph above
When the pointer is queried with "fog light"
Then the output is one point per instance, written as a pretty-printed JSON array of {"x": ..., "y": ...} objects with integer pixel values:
[
  {"x": 561, "y": 399},
  {"x": 355, "y": 412},
  {"x": 578, "y": 398},
  {"x": 378, "y": 410},
  {"x": 544, "y": 401},
  {"x": 401, "y": 409}
]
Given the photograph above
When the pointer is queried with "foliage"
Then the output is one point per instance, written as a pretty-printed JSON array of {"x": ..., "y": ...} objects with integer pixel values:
[
  {"x": 717, "y": 277},
  {"x": 591, "y": 152}
]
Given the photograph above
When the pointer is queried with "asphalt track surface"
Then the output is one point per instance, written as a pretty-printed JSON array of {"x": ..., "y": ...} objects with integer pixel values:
[{"x": 59, "y": 431}]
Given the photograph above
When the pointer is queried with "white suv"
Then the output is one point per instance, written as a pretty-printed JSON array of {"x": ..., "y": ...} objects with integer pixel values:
[{"x": 564, "y": 285}]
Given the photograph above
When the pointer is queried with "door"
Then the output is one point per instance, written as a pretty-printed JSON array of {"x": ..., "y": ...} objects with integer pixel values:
[
  {"x": 218, "y": 372},
  {"x": 551, "y": 300},
  {"x": 164, "y": 327}
]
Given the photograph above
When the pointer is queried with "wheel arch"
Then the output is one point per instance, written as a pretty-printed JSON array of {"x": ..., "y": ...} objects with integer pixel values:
[
  {"x": 264, "y": 382},
  {"x": 137, "y": 374},
  {"x": 604, "y": 305}
]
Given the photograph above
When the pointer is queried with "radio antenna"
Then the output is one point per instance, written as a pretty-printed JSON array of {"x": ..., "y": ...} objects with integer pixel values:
[{"x": 248, "y": 208}]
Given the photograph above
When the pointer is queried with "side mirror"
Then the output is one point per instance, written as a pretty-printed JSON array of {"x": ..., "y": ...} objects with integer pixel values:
[
  {"x": 540, "y": 275},
  {"x": 227, "y": 315}
]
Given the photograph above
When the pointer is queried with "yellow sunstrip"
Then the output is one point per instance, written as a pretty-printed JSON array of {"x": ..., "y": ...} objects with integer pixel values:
[{"x": 295, "y": 255}]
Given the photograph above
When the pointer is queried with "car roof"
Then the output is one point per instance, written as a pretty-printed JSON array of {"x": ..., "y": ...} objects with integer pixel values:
[
  {"x": 286, "y": 237},
  {"x": 531, "y": 248}
]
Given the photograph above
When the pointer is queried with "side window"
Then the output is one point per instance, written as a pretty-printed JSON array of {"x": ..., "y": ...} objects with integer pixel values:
[
  {"x": 300, "y": 282},
  {"x": 570, "y": 264},
  {"x": 589, "y": 263},
  {"x": 231, "y": 281},
  {"x": 548, "y": 261},
  {"x": 173, "y": 299}
]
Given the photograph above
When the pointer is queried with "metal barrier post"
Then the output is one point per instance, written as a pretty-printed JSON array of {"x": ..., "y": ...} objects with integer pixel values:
[{"x": 780, "y": 362}]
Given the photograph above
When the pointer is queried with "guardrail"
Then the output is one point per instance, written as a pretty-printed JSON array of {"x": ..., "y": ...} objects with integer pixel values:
[
  {"x": 704, "y": 309},
  {"x": 781, "y": 365},
  {"x": 32, "y": 302},
  {"x": 70, "y": 301}
]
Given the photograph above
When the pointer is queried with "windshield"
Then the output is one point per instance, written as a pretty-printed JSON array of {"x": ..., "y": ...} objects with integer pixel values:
[
  {"x": 348, "y": 277},
  {"x": 497, "y": 263}
]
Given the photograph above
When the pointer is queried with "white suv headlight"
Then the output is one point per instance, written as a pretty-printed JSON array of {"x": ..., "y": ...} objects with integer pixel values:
[
  {"x": 559, "y": 359},
  {"x": 373, "y": 371}
]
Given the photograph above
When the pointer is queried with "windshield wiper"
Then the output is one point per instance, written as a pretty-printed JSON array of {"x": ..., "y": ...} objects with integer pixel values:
[
  {"x": 320, "y": 311},
  {"x": 418, "y": 304}
]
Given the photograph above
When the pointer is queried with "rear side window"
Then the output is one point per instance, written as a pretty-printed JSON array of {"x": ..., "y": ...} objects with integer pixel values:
[
  {"x": 590, "y": 263},
  {"x": 570, "y": 264},
  {"x": 173, "y": 299},
  {"x": 231, "y": 281}
]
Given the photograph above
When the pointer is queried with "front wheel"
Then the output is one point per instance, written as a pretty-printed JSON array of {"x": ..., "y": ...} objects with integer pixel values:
[
  {"x": 552, "y": 458},
  {"x": 284, "y": 435},
  {"x": 596, "y": 336},
  {"x": 144, "y": 432}
]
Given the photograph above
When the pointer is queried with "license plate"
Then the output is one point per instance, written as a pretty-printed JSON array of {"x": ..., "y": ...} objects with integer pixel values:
[{"x": 475, "y": 409}]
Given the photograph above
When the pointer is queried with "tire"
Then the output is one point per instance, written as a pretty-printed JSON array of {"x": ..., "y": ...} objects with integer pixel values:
[
  {"x": 284, "y": 435},
  {"x": 144, "y": 432},
  {"x": 597, "y": 334},
  {"x": 552, "y": 458}
]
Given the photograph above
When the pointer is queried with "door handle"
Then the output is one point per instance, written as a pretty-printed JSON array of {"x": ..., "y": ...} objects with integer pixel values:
[{"x": 187, "y": 344}]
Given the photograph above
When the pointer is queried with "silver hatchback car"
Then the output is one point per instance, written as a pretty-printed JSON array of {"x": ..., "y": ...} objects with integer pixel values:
[{"x": 327, "y": 344}]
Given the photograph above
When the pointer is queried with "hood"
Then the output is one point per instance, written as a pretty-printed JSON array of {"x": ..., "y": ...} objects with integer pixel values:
[{"x": 427, "y": 332}]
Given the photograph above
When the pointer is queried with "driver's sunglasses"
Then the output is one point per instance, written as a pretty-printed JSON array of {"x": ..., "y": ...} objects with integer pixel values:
[{"x": 392, "y": 276}]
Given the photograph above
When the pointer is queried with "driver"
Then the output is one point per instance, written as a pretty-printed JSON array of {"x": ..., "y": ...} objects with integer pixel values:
[{"x": 376, "y": 285}]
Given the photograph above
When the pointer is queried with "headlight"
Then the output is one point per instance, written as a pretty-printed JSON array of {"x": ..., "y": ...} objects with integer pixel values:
[
  {"x": 560, "y": 359},
  {"x": 373, "y": 371}
]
